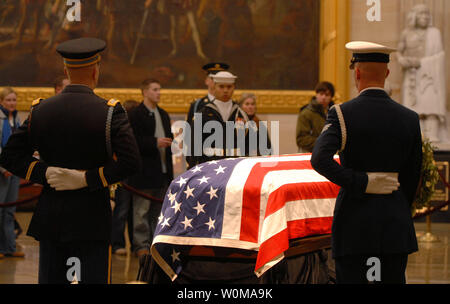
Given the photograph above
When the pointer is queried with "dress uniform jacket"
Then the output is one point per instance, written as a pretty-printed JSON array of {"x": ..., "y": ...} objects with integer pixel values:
[
  {"x": 69, "y": 131},
  {"x": 196, "y": 106},
  {"x": 143, "y": 123},
  {"x": 210, "y": 113},
  {"x": 378, "y": 135}
]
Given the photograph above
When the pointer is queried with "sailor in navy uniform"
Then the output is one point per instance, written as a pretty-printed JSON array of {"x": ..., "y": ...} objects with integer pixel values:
[
  {"x": 85, "y": 144},
  {"x": 380, "y": 148},
  {"x": 222, "y": 110},
  {"x": 197, "y": 105}
]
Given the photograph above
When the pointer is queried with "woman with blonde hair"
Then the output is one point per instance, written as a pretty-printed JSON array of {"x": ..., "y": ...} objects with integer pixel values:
[
  {"x": 247, "y": 102},
  {"x": 9, "y": 184}
]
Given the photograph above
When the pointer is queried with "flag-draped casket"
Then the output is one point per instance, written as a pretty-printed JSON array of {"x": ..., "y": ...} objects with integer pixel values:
[{"x": 257, "y": 204}]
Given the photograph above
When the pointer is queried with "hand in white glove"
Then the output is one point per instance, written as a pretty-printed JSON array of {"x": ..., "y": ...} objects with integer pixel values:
[
  {"x": 65, "y": 179},
  {"x": 382, "y": 183}
]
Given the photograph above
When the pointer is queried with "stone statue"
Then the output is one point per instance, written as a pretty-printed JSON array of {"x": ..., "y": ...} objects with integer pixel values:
[{"x": 421, "y": 55}]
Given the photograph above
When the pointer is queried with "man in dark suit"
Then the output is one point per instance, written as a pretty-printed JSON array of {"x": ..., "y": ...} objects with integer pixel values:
[
  {"x": 151, "y": 126},
  {"x": 85, "y": 144},
  {"x": 196, "y": 106},
  {"x": 380, "y": 149}
]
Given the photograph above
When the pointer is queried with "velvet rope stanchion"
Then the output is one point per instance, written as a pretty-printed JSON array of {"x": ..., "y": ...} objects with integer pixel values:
[
  {"x": 20, "y": 202},
  {"x": 142, "y": 194}
]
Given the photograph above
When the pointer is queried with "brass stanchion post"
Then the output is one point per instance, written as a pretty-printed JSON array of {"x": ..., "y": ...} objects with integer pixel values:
[{"x": 429, "y": 237}]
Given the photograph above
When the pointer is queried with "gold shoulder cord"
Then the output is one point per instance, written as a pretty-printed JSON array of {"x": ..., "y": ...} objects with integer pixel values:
[{"x": 343, "y": 128}]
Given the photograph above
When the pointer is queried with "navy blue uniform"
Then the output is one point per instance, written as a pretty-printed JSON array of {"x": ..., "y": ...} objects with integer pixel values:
[
  {"x": 69, "y": 131},
  {"x": 381, "y": 136}
]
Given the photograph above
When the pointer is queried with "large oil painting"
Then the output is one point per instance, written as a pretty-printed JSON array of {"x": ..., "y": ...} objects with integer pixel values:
[{"x": 270, "y": 44}]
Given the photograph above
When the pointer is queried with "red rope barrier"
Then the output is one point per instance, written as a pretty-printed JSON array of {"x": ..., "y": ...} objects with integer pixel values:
[
  {"x": 21, "y": 202},
  {"x": 142, "y": 194}
]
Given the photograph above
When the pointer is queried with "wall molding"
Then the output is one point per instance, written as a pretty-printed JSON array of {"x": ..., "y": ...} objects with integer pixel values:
[{"x": 178, "y": 101}]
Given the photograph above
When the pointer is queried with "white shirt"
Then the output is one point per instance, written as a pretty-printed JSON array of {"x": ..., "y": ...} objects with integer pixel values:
[{"x": 224, "y": 108}]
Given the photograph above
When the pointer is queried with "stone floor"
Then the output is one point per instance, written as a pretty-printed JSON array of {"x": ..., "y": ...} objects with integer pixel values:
[{"x": 427, "y": 266}]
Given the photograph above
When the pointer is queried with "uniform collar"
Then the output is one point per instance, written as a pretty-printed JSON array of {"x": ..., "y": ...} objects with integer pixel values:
[
  {"x": 373, "y": 90},
  {"x": 77, "y": 88}
]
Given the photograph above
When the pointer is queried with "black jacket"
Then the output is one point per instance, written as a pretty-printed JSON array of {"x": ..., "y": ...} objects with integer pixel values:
[
  {"x": 195, "y": 107},
  {"x": 69, "y": 131},
  {"x": 143, "y": 123},
  {"x": 209, "y": 114},
  {"x": 382, "y": 136}
]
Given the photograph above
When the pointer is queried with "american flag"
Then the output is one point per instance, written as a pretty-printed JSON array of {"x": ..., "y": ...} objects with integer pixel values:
[{"x": 254, "y": 204}]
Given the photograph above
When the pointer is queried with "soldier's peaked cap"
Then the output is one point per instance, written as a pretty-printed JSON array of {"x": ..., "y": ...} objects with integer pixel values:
[
  {"x": 81, "y": 52},
  {"x": 368, "y": 52},
  {"x": 215, "y": 67}
]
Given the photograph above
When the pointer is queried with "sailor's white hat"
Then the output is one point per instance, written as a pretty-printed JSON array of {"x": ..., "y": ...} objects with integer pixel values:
[{"x": 224, "y": 77}]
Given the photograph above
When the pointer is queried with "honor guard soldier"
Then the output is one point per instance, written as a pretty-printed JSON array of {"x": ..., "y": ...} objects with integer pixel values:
[
  {"x": 221, "y": 111},
  {"x": 380, "y": 148},
  {"x": 197, "y": 105},
  {"x": 85, "y": 144}
]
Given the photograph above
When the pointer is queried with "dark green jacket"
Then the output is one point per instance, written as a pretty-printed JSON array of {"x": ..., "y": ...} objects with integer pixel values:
[{"x": 310, "y": 123}]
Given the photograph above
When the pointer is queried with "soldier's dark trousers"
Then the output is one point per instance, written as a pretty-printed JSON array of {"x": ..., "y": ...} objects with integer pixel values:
[
  {"x": 88, "y": 261},
  {"x": 354, "y": 269}
]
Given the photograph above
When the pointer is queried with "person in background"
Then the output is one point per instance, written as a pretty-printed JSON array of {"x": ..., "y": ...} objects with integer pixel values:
[
  {"x": 223, "y": 110},
  {"x": 60, "y": 83},
  {"x": 311, "y": 118},
  {"x": 9, "y": 183},
  {"x": 151, "y": 127},
  {"x": 247, "y": 102},
  {"x": 123, "y": 205},
  {"x": 196, "y": 106}
]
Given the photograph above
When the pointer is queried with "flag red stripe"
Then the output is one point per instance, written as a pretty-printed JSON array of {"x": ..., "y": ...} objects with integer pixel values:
[
  {"x": 279, "y": 243},
  {"x": 252, "y": 194},
  {"x": 300, "y": 191}
]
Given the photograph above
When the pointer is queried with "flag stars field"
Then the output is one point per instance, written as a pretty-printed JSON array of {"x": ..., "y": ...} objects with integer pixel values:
[
  {"x": 220, "y": 170},
  {"x": 199, "y": 208},
  {"x": 187, "y": 222},
  {"x": 212, "y": 193},
  {"x": 177, "y": 207},
  {"x": 189, "y": 192},
  {"x": 204, "y": 179},
  {"x": 211, "y": 224}
]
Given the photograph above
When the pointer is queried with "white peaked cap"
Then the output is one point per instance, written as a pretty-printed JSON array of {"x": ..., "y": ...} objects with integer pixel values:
[
  {"x": 368, "y": 52},
  {"x": 224, "y": 77},
  {"x": 364, "y": 47}
]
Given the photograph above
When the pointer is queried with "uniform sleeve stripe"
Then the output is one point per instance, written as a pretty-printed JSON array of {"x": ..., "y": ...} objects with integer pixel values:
[
  {"x": 102, "y": 177},
  {"x": 30, "y": 170}
]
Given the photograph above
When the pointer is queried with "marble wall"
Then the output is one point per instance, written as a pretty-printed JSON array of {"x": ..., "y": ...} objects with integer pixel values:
[{"x": 388, "y": 30}]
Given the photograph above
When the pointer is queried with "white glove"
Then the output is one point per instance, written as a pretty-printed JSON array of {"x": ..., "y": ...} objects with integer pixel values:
[
  {"x": 382, "y": 183},
  {"x": 65, "y": 179}
]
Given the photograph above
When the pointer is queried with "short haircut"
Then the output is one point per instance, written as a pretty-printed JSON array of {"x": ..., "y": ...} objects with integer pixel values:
[
  {"x": 130, "y": 104},
  {"x": 6, "y": 91},
  {"x": 325, "y": 86},
  {"x": 148, "y": 82},
  {"x": 59, "y": 81}
]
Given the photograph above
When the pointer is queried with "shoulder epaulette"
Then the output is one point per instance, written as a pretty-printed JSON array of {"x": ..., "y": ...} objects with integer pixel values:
[
  {"x": 113, "y": 102},
  {"x": 36, "y": 102}
]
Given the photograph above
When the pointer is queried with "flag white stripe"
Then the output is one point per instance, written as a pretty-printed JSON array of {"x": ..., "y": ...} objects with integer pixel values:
[
  {"x": 275, "y": 179},
  {"x": 277, "y": 221},
  {"x": 231, "y": 227}
]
